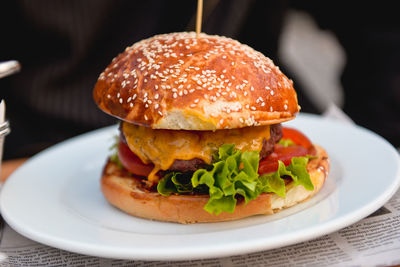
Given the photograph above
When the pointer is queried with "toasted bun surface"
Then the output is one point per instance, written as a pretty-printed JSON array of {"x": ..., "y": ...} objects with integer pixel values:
[
  {"x": 178, "y": 81},
  {"x": 127, "y": 194}
]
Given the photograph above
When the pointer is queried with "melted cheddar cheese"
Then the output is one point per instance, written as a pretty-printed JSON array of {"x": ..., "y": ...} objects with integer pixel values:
[{"x": 162, "y": 147}]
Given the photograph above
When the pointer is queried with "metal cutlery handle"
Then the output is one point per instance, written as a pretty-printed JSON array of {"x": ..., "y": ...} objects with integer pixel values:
[
  {"x": 4, "y": 129},
  {"x": 9, "y": 67}
]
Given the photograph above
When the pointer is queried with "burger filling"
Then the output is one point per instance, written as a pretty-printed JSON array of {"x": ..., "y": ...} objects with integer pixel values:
[
  {"x": 171, "y": 149},
  {"x": 225, "y": 164}
]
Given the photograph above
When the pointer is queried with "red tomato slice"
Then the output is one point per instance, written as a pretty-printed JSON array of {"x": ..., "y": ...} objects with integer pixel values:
[
  {"x": 296, "y": 136},
  {"x": 131, "y": 162},
  {"x": 284, "y": 154}
]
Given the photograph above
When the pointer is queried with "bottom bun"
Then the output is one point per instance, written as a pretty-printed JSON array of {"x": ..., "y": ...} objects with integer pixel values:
[{"x": 128, "y": 194}]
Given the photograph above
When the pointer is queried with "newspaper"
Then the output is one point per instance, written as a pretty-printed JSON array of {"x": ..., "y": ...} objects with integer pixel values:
[{"x": 373, "y": 241}]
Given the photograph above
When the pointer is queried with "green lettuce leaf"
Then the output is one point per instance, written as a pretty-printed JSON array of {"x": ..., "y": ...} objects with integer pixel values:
[
  {"x": 286, "y": 142},
  {"x": 297, "y": 170},
  {"x": 176, "y": 182},
  {"x": 300, "y": 175},
  {"x": 232, "y": 174},
  {"x": 165, "y": 186},
  {"x": 273, "y": 182},
  {"x": 114, "y": 152}
]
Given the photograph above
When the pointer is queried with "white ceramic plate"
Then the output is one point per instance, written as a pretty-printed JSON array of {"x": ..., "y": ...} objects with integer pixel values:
[{"x": 55, "y": 199}]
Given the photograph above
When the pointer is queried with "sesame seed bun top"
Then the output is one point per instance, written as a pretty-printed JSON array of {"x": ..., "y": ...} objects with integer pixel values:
[{"x": 179, "y": 81}]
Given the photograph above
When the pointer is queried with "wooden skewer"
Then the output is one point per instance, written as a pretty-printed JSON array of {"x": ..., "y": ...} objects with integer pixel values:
[{"x": 199, "y": 16}]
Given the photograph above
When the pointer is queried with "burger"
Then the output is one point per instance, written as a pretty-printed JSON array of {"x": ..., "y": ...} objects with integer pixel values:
[{"x": 201, "y": 138}]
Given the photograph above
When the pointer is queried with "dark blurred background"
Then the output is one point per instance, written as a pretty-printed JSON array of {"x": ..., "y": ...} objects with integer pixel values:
[{"x": 352, "y": 51}]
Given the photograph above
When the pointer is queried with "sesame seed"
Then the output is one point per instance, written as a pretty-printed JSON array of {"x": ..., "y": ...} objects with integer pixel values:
[
  {"x": 131, "y": 105},
  {"x": 156, "y": 106},
  {"x": 193, "y": 105},
  {"x": 120, "y": 100},
  {"x": 156, "y": 96},
  {"x": 145, "y": 117},
  {"x": 272, "y": 92},
  {"x": 175, "y": 95},
  {"x": 108, "y": 96}
]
